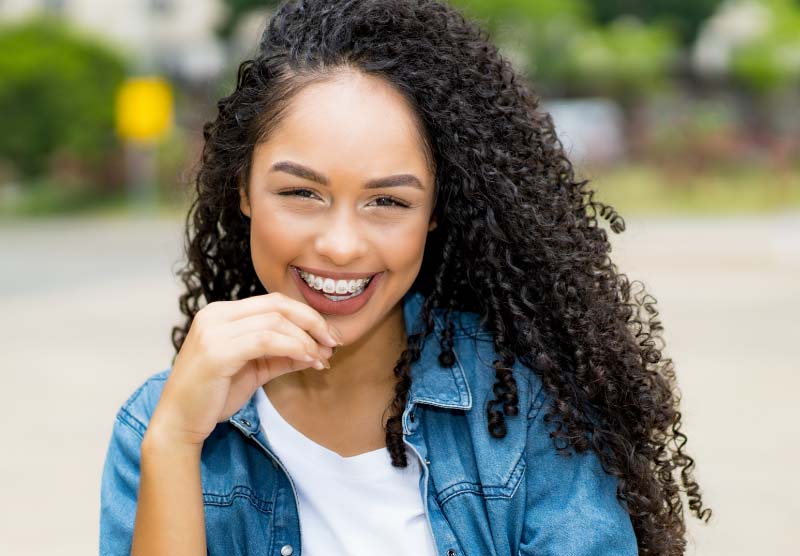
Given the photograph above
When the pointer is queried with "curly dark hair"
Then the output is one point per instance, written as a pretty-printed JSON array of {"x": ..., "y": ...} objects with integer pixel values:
[{"x": 517, "y": 241}]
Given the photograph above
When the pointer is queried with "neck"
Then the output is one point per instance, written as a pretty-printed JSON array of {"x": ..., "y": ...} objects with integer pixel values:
[{"x": 358, "y": 372}]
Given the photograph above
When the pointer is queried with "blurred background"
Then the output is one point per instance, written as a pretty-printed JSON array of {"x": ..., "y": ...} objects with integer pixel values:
[{"x": 684, "y": 114}]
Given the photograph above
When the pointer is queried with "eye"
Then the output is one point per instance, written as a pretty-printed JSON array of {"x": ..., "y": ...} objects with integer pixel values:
[
  {"x": 297, "y": 193},
  {"x": 394, "y": 203}
]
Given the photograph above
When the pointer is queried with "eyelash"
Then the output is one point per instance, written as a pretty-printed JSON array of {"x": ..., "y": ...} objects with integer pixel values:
[{"x": 397, "y": 203}]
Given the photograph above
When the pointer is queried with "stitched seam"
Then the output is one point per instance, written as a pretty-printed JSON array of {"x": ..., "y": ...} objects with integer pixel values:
[
  {"x": 223, "y": 500},
  {"x": 488, "y": 492},
  {"x": 133, "y": 397},
  {"x": 156, "y": 377},
  {"x": 127, "y": 407},
  {"x": 537, "y": 398},
  {"x": 511, "y": 483},
  {"x": 459, "y": 488},
  {"x": 131, "y": 422},
  {"x": 463, "y": 375}
]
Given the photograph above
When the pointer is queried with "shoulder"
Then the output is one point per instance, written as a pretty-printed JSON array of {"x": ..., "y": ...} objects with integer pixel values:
[
  {"x": 138, "y": 408},
  {"x": 473, "y": 345}
]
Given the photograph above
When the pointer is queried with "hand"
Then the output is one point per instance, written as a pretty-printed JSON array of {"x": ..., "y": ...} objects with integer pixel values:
[{"x": 233, "y": 348}]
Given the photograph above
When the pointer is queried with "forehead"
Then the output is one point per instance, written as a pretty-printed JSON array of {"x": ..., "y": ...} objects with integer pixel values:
[{"x": 354, "y": 119}]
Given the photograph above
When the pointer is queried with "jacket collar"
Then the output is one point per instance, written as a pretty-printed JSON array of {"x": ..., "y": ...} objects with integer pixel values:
[{"x": 431, "y": 383}]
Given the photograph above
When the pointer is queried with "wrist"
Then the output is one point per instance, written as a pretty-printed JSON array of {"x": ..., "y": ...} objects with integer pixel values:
[{"x": 161, "y": 437}]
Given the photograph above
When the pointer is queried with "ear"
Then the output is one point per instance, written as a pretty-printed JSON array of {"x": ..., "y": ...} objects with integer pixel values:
[
  {"x": 432, "y": 225},
  {"x": 244, "y": 204}
]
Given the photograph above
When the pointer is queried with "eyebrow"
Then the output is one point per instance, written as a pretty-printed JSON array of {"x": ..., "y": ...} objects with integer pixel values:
[{"x": 308, "y": 174}]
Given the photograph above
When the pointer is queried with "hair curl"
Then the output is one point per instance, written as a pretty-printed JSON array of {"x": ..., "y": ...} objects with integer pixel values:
[{"x": 517, "y": 241}]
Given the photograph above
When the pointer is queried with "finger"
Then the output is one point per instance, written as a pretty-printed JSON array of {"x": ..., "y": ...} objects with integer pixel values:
[
  {"x": 281, "y": 365},
  {"x": 298, "y": 312},
  {"x": 269, "y": 344},
  {"x": 277, "y": 322},
  {"x": 265, "y": 370}
]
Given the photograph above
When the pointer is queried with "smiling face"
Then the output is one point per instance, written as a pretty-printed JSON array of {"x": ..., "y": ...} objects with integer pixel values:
[{"x": 342, "y": 188}]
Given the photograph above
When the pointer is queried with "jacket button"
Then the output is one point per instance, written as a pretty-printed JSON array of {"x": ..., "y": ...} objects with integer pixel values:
[
  {"x": 286, "y": 550},
  {"x": 411, "y": 417},
  {"x": 245, "y": 422},
  {"x": 451, "y": 552}
]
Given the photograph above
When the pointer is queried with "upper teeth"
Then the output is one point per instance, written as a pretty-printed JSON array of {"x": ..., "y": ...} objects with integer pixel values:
[{"x": 329, "y": 285}]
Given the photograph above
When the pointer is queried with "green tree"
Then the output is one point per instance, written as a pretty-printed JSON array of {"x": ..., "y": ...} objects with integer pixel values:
[
  {"x": 238, "y": 9},
  {"x": 56, "y": 95},
  {"x": 625, "y": 59},
  {"x": 559, "y": 46},
  {"x": 771, "y": 62},
  {"x": 534, "y": 35},
  {"x": 684, "y": 16}
]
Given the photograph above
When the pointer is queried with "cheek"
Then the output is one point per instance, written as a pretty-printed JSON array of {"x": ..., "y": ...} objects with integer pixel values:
[
  {"x": 402, "y": 247},
  {"x": 273, "y": 245}
]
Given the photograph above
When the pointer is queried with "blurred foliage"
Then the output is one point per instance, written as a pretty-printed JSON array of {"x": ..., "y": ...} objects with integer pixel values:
[
  {"x": 560, "y": 47},
  {"x": 540, "y": 10},
  {"x": 645, "y": 189},
  {"x": 533, "y": 35},
  {"x": 57, "y": 89},
  {"x": 683, "y": 16},
  {"x": 238, "y": 9},
  {"x": 624, "y": 60},
  {"x": 56, "y": 96},
  {"x": 772, "y": 61},
  {"x": 46, "y": 198}
]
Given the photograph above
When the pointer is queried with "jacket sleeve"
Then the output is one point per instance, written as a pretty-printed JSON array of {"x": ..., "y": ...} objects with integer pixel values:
[
  {"x": 571, "y": 507},
  {"x": 120, "y": 485}
]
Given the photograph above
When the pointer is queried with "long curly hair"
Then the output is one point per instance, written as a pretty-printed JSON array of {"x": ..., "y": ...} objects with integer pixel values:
[{"x": 517, "y": 242}]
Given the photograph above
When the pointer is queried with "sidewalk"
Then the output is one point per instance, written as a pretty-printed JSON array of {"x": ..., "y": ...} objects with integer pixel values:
[{"x": 87, "y": 307}]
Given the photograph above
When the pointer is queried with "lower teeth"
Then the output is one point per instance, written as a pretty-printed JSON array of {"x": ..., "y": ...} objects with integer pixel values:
[{"x": 342, "y": 297}]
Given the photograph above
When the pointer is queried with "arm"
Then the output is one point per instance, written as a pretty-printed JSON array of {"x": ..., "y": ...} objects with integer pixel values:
[
  {"x": 166, "y": 505},
  {"x": 571, "y": 505},
  {"x": 169, "y": 518}
]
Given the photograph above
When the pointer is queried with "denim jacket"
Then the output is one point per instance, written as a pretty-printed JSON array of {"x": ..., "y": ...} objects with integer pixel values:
[{"x": 483, "y": 496}]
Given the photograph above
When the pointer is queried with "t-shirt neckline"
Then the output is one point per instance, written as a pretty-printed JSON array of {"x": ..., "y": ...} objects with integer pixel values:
[{"x": 372, "y": 464}]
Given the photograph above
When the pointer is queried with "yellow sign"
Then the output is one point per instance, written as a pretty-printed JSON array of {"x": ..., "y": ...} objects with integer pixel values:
[{"x": 144, "y": 109}]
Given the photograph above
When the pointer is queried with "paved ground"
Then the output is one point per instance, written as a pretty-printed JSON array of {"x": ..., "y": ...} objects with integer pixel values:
[{"x": 86, "y": 308}]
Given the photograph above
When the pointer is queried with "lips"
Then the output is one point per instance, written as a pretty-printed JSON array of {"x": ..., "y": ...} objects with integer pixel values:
[
  {"x": 334, "y": 274},
  {"x": 318, "y": 301},
  {"x": 335, "y": 287}
]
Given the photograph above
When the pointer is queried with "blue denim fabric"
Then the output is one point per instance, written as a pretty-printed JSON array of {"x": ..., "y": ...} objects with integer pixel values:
[{"x": 484, "y": 496}]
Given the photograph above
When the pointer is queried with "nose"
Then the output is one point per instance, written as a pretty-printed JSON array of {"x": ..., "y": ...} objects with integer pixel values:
[{"x": 341, "y": 239}]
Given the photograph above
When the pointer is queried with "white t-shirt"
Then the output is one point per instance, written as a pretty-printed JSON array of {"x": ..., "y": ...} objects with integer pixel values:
[{"x": 349, "y": 506}]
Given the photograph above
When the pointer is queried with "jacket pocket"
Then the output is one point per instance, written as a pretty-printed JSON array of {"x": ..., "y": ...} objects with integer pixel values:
[{"x": 466, "y": 461}]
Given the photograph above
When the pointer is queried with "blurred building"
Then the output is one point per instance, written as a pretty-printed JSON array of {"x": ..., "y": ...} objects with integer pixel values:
[
  {"x": 175, "y": 37},
  {"x": 590, "y": 129},
  {"x": 735, "y": 23}
]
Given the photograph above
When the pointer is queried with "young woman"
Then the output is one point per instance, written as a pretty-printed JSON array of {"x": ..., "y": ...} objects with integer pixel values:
[{"x": 413, "y": 340}]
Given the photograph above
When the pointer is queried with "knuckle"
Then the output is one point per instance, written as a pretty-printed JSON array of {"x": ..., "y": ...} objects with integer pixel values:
[
  {"x": 279, "y": 302},
  {"x": 205, "y": 348},
  {"x": 265, "y": 337},
  {"x": 205, "y": 313},
  {"x": 279, "y": 297},
  {"x": 274, "y": 321},
  {"x": 278, "y": 318},
  {"x": 201, "y": 336}
]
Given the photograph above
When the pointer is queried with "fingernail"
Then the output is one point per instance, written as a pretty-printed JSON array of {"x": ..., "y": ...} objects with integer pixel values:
[
  {"x": 327, "y": 365},
  {"x": 318, "y": 365},
  {"x": 337, "y": 336},
  {"x": 309, "y": 358}
]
